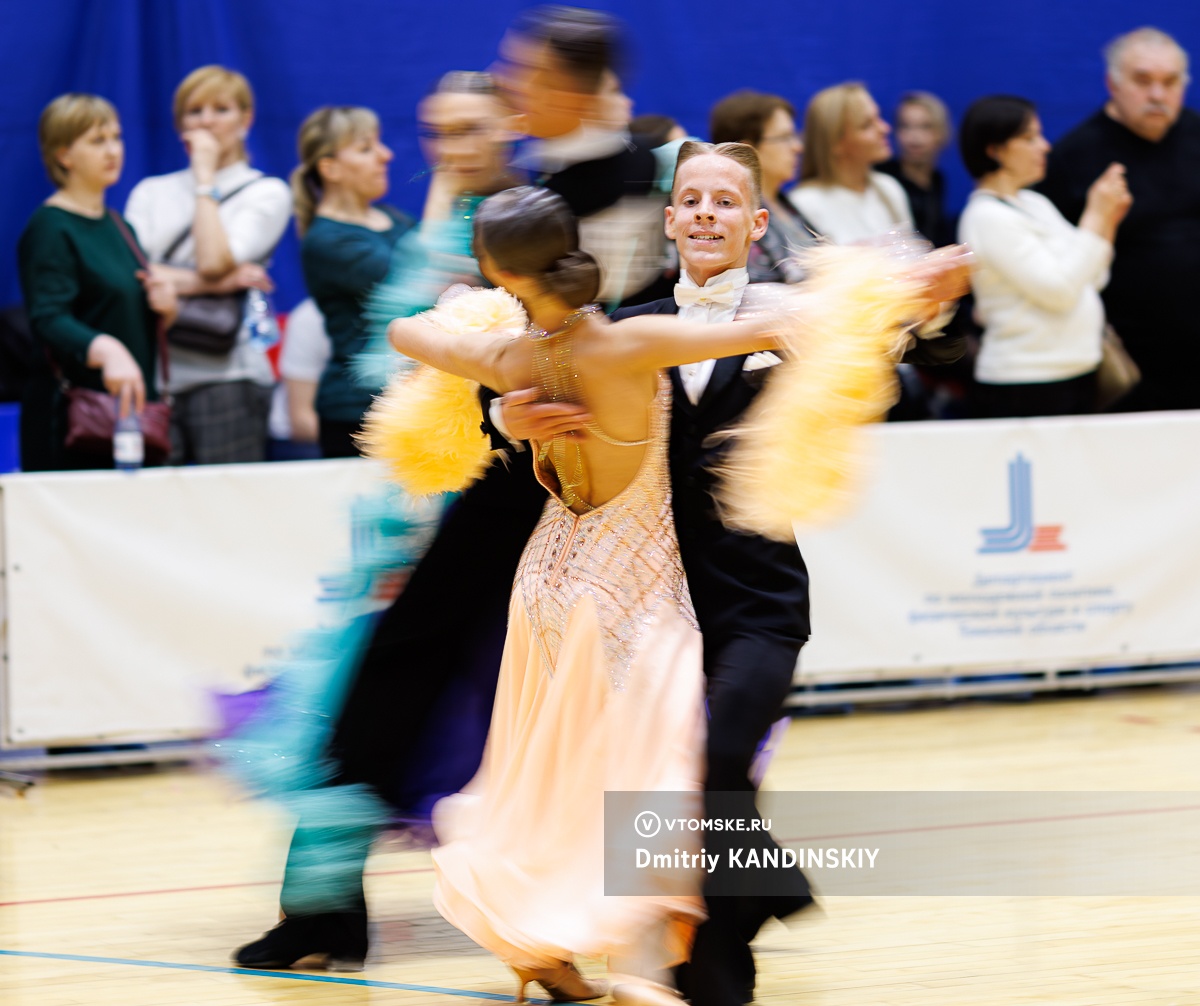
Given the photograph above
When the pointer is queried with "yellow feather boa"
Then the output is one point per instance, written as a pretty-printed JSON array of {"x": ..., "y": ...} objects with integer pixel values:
[
  {"x": 425, "y": 424},
  {"x": 798, "y": 451}
]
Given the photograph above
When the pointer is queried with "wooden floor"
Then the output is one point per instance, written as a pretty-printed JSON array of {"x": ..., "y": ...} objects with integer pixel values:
[{"x": 132, "y": 886}]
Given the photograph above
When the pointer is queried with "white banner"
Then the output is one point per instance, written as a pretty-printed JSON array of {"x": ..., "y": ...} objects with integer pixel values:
[
  {"x": 131, "y": 598},
  {"x": 1042, "y": 544},
  {"x": 1010, "y": 544}
]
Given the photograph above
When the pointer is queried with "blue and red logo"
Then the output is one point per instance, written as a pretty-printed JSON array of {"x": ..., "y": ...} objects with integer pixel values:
[{"x": 1021, "y": 534}]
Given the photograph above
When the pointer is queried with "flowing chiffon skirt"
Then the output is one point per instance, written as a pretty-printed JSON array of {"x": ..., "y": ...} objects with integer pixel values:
[{"x": 521, "y": 867}]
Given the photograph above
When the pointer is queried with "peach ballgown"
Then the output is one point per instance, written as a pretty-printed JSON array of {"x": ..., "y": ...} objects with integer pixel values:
[{"x": 601, "y": 688}]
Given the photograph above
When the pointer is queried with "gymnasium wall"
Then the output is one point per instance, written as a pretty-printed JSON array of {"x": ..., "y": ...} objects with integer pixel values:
[{"x": 385, "y": 53}]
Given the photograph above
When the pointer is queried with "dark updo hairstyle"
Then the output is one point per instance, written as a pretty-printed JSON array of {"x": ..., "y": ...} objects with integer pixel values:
[
  {"x": 991, "y": 122},
  {"x": 532, "y": 232}
]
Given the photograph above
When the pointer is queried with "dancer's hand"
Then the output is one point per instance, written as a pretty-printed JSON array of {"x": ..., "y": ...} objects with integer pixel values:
[
  {"x": 945, "y": 273},
  {"x": 525, "y": 418},
  {"x": 944, "y": 276}
]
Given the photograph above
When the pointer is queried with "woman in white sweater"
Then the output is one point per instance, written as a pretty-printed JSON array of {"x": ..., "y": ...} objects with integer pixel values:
[
  {"x": 839, "y": 193},
  {"x": 1037, "y": 278}
]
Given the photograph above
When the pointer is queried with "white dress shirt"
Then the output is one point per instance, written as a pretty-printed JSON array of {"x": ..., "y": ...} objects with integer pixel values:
[{"x": 695, "y": 376}]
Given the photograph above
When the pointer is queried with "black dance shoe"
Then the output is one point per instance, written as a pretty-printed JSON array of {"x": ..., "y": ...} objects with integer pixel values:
[{"x": 339, "y": 937}]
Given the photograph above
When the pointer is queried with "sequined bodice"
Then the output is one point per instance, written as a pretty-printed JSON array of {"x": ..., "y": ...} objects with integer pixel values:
[{"x": 623, "y": 554}]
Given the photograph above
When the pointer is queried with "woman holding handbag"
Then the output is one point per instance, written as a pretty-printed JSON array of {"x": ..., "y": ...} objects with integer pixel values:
[
  {"x": 91, "y": 305},
  {"x": 210, "y": 228}
]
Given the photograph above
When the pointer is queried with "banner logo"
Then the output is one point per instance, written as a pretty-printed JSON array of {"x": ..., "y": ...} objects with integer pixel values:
[{"x": 1021, "y": 534}]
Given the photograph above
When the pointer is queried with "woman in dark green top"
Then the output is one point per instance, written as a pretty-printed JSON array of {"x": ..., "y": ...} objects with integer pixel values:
[
  {"x": 89, "y": 304},
  {"x": 346, "y": 249}
]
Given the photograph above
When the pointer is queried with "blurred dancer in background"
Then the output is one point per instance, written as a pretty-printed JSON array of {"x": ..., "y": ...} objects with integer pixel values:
[
  {"x": 561, "y": 68},
  {"x": 403, "y": 697}
]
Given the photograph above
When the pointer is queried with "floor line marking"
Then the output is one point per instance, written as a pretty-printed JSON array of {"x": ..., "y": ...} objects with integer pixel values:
[
  {"x": 256, "y": 973},
  {"x": 1000, "y": 823},
  {"x": 963, "y": 825},
  {"x": 188, "y": 890}
]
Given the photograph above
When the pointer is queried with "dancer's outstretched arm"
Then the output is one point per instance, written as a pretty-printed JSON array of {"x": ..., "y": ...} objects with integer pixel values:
[
  {"x": 654, "y": 342},
  {"x": 496, "y": 360}
]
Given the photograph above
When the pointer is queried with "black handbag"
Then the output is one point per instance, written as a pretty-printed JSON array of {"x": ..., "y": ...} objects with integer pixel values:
[{"x": 208, "y": 323}]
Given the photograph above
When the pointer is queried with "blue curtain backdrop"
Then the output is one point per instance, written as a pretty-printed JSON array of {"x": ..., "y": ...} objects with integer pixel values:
[{"x": 300, "y": 54}]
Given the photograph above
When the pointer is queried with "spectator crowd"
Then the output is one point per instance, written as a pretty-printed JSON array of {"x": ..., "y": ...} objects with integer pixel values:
[{"x": 1086, "y": 252}]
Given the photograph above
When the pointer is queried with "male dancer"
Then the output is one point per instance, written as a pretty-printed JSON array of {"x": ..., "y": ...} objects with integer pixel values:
[{"x": 750, "y": 593}]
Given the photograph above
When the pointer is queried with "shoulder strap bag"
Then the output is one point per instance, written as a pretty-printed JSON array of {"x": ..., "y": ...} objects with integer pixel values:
[{"x": 208, "y": 323}]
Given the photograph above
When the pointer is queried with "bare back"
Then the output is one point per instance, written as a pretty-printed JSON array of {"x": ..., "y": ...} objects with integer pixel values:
[{"x": 581, "y": 367}]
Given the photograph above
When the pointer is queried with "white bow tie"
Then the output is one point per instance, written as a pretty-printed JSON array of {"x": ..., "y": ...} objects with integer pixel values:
[{"x": 722, "y": 293}]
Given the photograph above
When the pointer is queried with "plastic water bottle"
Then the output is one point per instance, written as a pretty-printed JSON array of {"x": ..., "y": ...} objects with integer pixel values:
[
  {"x": 260, "y": 319},
  {"x": 129, "y": 449}
]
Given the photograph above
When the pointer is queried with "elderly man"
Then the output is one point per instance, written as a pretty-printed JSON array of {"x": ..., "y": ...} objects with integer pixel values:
[{"x": 1150, "y": 298}]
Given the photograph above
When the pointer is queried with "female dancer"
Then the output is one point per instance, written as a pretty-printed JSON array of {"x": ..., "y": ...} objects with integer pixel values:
[{"x": 381, "y": 716}]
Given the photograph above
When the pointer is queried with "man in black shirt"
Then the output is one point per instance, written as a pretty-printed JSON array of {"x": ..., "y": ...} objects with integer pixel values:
[{"x": 1151, "y": 297}]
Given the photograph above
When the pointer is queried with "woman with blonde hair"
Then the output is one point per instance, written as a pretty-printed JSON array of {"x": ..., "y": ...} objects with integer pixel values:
[
  {"x": 212, "y": 227},
  {"x": 839, "y": 192},
  {"x": 346, "y": 248},
  {"x": 89, "y": 302}
]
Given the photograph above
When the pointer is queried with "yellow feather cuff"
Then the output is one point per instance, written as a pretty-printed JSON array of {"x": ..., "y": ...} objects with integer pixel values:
[
  {"x": 798, "y": 451},
  {"x": 425, "y": 424}
]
